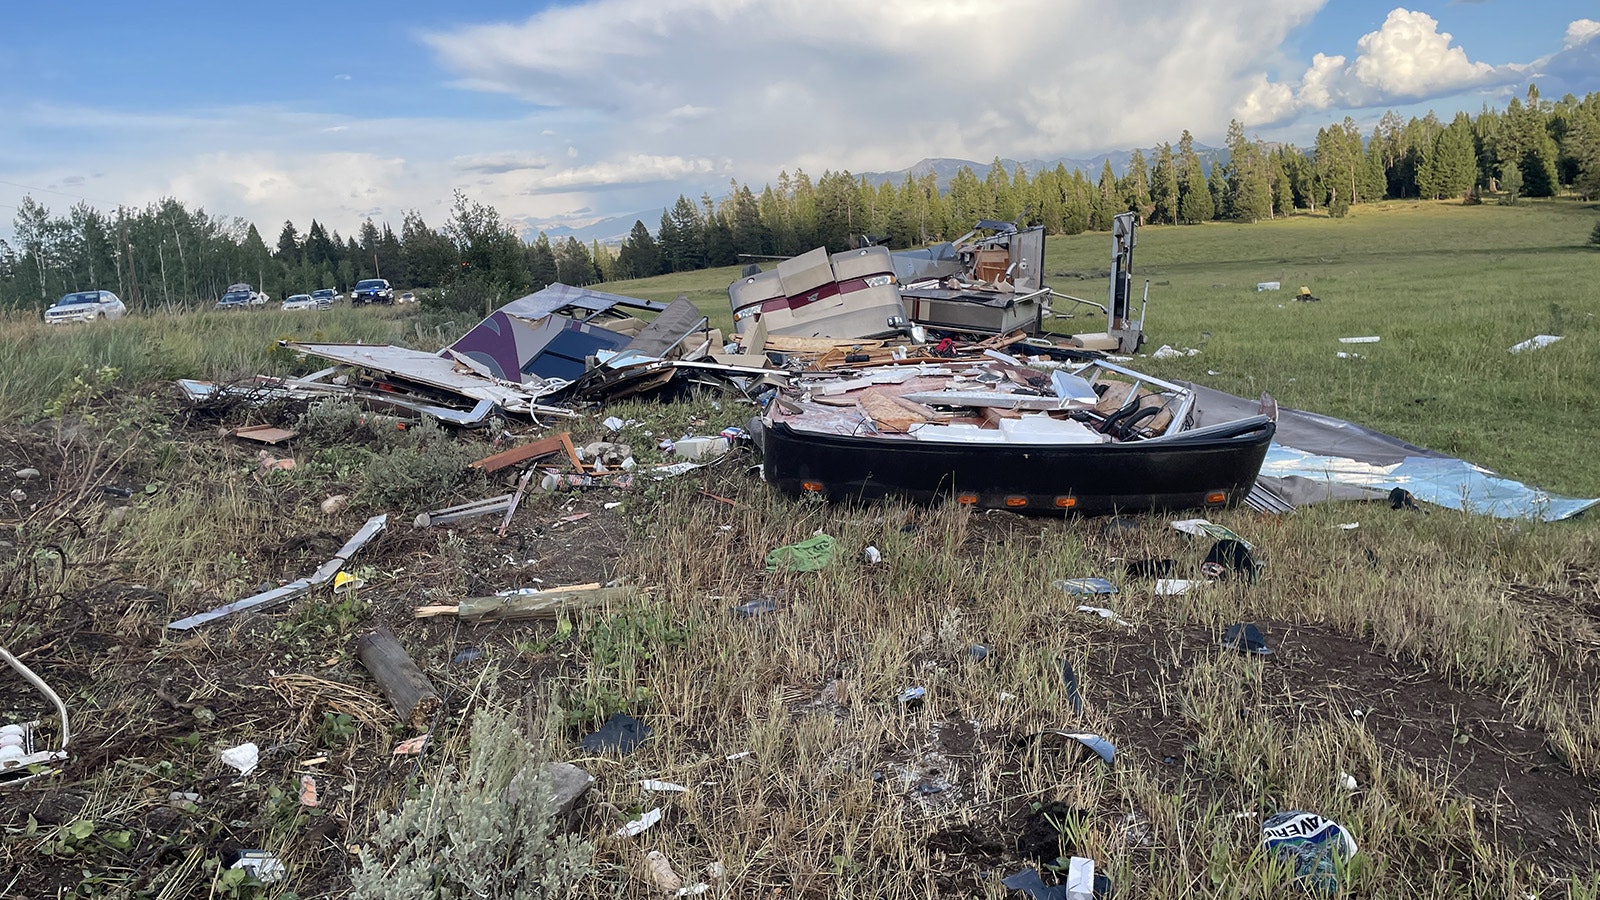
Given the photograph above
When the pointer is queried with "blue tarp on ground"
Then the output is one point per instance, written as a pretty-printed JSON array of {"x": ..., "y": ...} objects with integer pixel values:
[
  {"x": 1442, "y": 481},
  {"x": 1316, "y": 458}
]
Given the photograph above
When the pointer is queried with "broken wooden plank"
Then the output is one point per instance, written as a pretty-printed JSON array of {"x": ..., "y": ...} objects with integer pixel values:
[
  {"x": 533, "y": 604},
  {"x": 780, "y": 343},
  {"x": 890, "y": 415},
  {"x": 1002, "y": 341},
  {"x": 409, "y": 691},
  {"x": 264, "y": 434},
  {"x": 525, "y": 452}
]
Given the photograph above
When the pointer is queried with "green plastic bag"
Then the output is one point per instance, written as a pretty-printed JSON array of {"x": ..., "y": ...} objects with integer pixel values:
[{"x": 809, "y": 555}]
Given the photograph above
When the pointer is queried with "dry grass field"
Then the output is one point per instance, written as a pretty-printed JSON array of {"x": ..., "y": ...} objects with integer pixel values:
[{"x": 1444, "y": 661}]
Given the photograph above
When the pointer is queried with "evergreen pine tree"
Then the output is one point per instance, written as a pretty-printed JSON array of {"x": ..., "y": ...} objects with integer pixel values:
[
  {"x": 1249, "y": 187},
  {"x": 1135, "y": 187},
  {"x": 542, "y": 262},
  {"x": 1164, "y": 188},
  {"x": 1194, "y": 194}
]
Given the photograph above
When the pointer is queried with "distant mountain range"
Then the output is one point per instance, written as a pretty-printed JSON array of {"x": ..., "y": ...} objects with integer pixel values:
[
  {"x": 614, "y": 229},
  {"x": 945, "y": 169}
]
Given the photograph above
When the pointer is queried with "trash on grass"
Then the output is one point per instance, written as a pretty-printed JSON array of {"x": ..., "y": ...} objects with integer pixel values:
[
  {"x": 1080, "y": 878},
  {"x": 1347, "y": 781},
  {"x": 308, "y": 791},
  {"x": 1084, "y": 586},
  {"x": 1104, "y": 613},
  {"x": 1094, "y": 743},
  {"x": 674, "y": 470},
  {"x": 1031, "y": 883},
  {"x": 1149, "y": 568},
  {"x": 655, "y": 869},
  {"x": 1166, "y": 351},
  {"x": 345, "y": 582},
  {"x": 470, "y": 510},
  {"x": 757, "y": 607},
  {"x": 640, "y": 825},
  {"x": 556, "y": 443},
  {"x": 872, "y": 555},
  {"x": 696, "y": 448},
  {"x": 1315, "y": 845},
  {"x": 805, "y": 556},
  {"x": 1363, "y": 339},
  {"x": 1171, "y": 587},
  {"x": 1233, "y": 554},
  {"x": 294, "y": 588},
  {"x": 411, "y": 746},
  {"x": 1204, "y": 528},
  {"x": 244, "y": 757},
  {"x": 1069, "y": 679},
  {"x": 665, "y": 787},
  {"x": 912, "y": 697},
  {"x": 20, "y": 761},
  {"x": 621, "y": 732},
  {"x": 530, "y": 603},
  {"x": 264, "y": 434},
  {"x": 263, "y": 866},
  {"x": 1246, "y": 638},
  {"x": 1536, "y": 342}
]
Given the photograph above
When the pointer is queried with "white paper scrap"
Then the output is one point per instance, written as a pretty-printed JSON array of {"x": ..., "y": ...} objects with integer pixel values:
[
  {"x": 640, "y": 825},
  {"x": 1104, "y": 613}
]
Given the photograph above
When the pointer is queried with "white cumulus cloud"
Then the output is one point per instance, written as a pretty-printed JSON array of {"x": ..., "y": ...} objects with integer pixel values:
[
  {"x": 774, "y": 84},
  {"x": 1406, "y": 60},
  {"x": 636, "y": 169},
  {"x": 1580, "y": 32},
  {"x": 499, "y": 163}
]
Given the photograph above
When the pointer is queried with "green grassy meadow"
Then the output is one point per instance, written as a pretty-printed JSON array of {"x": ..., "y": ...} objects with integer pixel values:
[{"x": 1434, "y": 687}]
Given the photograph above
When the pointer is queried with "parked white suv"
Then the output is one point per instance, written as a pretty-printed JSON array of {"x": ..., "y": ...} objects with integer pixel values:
[{"x": 85, "y": 306}]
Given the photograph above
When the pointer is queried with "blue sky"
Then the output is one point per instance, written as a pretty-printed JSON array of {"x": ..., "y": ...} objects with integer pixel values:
[{"x": 563, "y": 113}]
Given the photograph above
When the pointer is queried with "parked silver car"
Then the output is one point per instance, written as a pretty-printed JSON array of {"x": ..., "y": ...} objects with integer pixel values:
[
  {"x": 306, "y": 301},
  {"x": 85, "y": 306}
]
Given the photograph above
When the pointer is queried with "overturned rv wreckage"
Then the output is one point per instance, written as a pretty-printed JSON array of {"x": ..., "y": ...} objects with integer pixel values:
[
  {"x": 989, "y": 281},
  {"x": 890, "y": 379},
  {"x": 996, "y": 434},
  {"x": 882, "y": 374},
  {"x": 535, "y": 356}
]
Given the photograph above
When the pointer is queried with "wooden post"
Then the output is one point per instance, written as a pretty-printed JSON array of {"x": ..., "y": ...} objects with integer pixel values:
[{"x": 409, "y": 691}]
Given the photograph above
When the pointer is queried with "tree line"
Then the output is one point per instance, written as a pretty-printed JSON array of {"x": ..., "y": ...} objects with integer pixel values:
[{"x": 166, "y": 254}]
